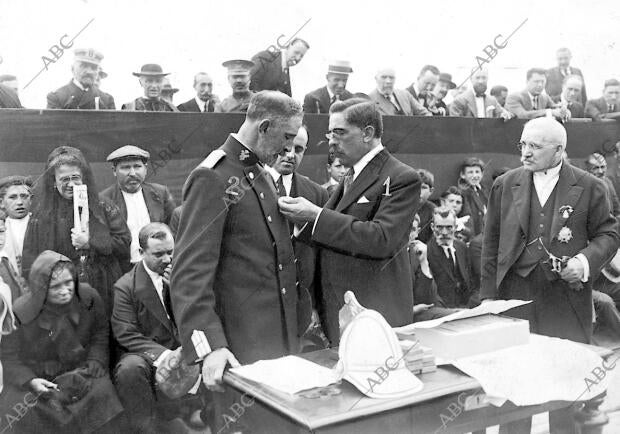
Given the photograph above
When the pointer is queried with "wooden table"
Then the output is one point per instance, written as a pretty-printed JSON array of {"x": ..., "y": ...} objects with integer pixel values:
[{"x": 449, "y": 403}]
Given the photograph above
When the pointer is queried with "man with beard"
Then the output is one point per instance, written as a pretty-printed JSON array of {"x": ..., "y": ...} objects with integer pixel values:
[
  {"x": 233, "y": 274},
  {"x": 239, "y": 80},
  {"x": 271, "y": 68},
  {"x": 205, "y": 100},
  {"x": 475, "y": 103},
  {"x": 319, "y": 100},
  {"x": 152, "y": 81},
  {"x": 548, "y": 233},
  {"x": 139, "y": 202},
  {"x": 363, "y": 230},
  {"x": 531, "y": 102},
  {"x": 81, "y": 92}
]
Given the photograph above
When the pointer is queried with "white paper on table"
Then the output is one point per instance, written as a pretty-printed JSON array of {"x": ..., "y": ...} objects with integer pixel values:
[
  {"x": 545, "y": 369},
  {"x": 494, "y": 307},
  {"x": 289, "y": 374}
]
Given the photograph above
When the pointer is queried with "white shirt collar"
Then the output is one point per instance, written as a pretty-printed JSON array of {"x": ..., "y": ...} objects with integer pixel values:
[
  {"x": 332, "y": 181},
  {"x": 532, "y": 96},
  {"x": 126, "y": 193},
  {"x": 329, "y": 92},
  {"x": 78, "y": 84},
  {"x": 415, "y": 88},
  {"x": 549, "y": 173},
  {"x": 287, "y": 180},
  {"x": 363, "y": 162},
  {"x": 201, "y": 103}
]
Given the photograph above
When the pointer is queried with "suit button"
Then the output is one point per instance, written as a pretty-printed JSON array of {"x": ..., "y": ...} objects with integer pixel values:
[
  {"x": 280, "y": 267},
  {"x": 262, "y": 195},
  {"x": 283, "y": 291},
  {"x": 269, "y": 218},
  {"x": 251, "y": 175}
]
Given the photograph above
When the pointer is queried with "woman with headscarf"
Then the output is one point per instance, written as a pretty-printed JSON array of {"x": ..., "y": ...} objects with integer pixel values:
[
  {"x": 97, "y": 251},
  {"x": 59, "y": 354}
]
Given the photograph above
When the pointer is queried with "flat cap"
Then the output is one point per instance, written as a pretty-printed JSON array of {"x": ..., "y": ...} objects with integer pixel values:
[
  {"x": 128, "y": 151},
  {"x": 88, "y": 55},
  {"x": 238, "y": 66},
  {"x": 7, "y": 181}
]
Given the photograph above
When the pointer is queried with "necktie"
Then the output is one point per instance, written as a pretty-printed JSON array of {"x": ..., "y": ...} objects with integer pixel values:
[
  {"x": 165, "y": 294},
  {"x": 206, "y": 109},
  {"x": 348, "y": 180},
  {"x": 394, "y": 102},
  {"x": 280, "y": 186},
  {"x": 611, "y": 108},
  {"x": 334, "y": 99},
  {"x": 535, "y": 103},
  {"x": 480, "y": 95},
  {"x": 449, "y": 251}
]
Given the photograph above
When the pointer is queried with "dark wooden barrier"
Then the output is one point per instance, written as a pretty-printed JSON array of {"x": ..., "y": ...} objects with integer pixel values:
[{"x": 179, "y": 141}]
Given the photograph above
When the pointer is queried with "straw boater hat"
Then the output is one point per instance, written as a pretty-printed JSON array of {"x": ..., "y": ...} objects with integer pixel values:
[
  {"x": 339, "y": 67},
  {"x": 151, "y": 70}
]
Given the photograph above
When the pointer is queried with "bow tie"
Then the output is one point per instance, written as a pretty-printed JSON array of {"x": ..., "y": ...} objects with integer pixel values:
[{"x": 480, "y": 95}]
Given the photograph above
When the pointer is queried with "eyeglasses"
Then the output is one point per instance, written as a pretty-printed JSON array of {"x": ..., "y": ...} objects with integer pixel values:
[
  {"x": 533, "y": 146},
  {"x": 65, "y": 180}
]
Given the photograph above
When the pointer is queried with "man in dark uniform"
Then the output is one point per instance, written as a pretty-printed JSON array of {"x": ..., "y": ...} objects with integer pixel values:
[
  {"x": 139, "y": 202},
  {"x": 152, "y": 81},
  {"x": 239, "y": 80},
  {"x": 81, "y": 92},
  {"x": 548, "y": 233},
  {"x": 319, "y": 100},
  {"x": 271, "y": 68},
  {"x": 233, "y": 274}
]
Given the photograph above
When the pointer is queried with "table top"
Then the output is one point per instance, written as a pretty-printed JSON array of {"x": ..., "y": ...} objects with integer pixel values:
[{"x": 315, "y": 413}]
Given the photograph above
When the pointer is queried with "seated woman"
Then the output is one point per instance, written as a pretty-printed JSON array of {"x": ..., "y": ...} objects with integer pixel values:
[
  {"x": 96, "y": 251},
  {"x": 59, "y": 353}
]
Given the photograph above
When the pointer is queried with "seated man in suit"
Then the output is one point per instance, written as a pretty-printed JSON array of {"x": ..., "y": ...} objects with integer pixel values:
[
  {"x": 423, "y": 87},
  {"x": 81, "y": 92},
  {"x": 558, "y": 74},
  {"x": 427, "y": 302},
  {"x": 474, "y": 103},
  {"x": 391, "y": 101},
  {"x": 292, "y": 184},
  {"x": 271, "y": 68},
  {"x": 321, "y": 99},
  {"x": 205, "y": 100},
  {"x": 597, "y": 166},
  {"x": 607, "y": 106},
  {"x": 335, "y": 171},
  {"x": 571, "y": 92},
  {"x": 450, "y": 263},
  {"x": 143, "y": 324},
  {"x": 500, "y": 93},
  {"x": 139, "y": 202},
  {"x": 531, "y": 103}
]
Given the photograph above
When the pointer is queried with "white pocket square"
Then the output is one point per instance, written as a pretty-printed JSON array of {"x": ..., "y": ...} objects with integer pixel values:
[{"x": 363, "y": 200}]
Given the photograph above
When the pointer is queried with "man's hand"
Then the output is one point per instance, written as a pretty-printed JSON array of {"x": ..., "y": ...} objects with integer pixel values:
[
  {"x": 506, "y": 115},
  {"x": 213, "y": 368},
  {"x": 166, "y": 275},
  {"x": 79, "y": 238},
  {"x": 41, "y": 385},
  {"x": 298, "y": 209},
  {"x": 421, "y": 308},
  {"x": 573, "y": 272}
]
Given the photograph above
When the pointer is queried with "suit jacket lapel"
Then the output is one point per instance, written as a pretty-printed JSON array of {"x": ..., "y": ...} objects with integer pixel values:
[
  {"x": 147, "y": 294},
  {"x": 325, "y": 100},
  {"x": 471, "y": 103},
  {"x": 119, "y": 199},
  {"x": 369, "y": 175},
  {"x": 521, "y": 193},
  {"x": 527, "y": 101},
  {"x": 152, "y": 201},
  {"x": 567, "y": 194},
  {"x": 440, "y": 256}
]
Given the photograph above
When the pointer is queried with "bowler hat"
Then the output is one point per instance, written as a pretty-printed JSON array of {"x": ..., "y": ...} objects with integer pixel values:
[{"x": 151, "y": 70}]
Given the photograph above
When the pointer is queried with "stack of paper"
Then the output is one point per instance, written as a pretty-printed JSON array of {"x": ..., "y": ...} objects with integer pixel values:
[{"x": 418, "y": 359}]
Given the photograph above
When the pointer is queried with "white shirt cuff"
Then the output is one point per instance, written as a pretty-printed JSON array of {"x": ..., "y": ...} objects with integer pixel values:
[
  {"x": 298, "y": 230},
  {"x": 316, "y": 220},
  {"x": 586, "y": 266},
  {"x": 201, "y": 344},
  {"x": 161, "y": 358}
]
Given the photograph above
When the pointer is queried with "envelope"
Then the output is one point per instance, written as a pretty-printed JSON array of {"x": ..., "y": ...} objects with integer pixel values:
[{"x": 363, "y": 199}]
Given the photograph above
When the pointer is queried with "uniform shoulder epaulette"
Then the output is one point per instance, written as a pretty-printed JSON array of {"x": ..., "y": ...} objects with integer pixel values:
[{"x": 213, "y": 158}]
